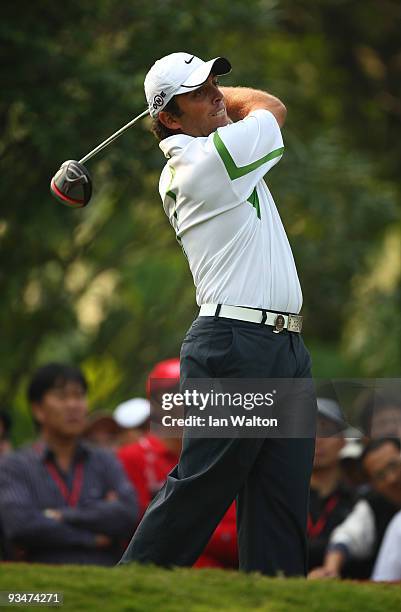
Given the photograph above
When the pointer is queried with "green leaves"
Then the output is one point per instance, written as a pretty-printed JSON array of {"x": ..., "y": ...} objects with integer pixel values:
[{"x": 71, "y": 77}]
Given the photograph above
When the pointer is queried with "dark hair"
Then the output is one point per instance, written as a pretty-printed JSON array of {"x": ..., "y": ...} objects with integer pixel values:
[
  {"x": 371, "y": 403},
  {"x": 53, "y": 375},
  {"x": 377, "y": 443},
  {"x": 158, "y": 128},
  {"x": 5, "y": 418}
]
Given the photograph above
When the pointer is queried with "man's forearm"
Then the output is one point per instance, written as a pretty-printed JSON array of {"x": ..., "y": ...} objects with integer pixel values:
[
  {"x": 334, "y": 562},
  {"x": 240, "y": 101},
  {"x": 115, "y": 519},
  {"x": 332, "y": 565}
]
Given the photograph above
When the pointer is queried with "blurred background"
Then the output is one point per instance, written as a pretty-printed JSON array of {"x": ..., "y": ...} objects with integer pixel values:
[{"x": 107, "y": 287}]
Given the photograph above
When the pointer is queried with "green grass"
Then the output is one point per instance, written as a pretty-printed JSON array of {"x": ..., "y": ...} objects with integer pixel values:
[{"x": 139, "y": 588}]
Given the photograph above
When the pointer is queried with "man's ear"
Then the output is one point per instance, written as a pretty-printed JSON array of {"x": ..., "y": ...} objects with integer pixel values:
[
  {"x": 37, "y": 412},
  {"x": 169, "y": 121}
]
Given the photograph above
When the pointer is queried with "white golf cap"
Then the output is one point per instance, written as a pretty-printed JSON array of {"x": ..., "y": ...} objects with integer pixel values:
[
  {"x": 176, "y": 74},
  {"x": 132, "y": 413},
  {"x": 352, "y": 449}
]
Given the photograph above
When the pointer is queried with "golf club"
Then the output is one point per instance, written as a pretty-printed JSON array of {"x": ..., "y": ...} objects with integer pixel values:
[{"x": 72, "y": 183}]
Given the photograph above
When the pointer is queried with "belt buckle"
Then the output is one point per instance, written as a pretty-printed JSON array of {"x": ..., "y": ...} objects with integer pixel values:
[
  {"x": 279, "y": 323},
  {"x": 294, "y": 323}
]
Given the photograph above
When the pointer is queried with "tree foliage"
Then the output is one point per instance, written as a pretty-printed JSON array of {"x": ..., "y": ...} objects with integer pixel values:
[{"x": 107, "y": 287}]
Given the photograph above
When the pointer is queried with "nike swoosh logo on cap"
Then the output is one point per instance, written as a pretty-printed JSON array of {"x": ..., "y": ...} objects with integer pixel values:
[{"x": 189, "y": 61}]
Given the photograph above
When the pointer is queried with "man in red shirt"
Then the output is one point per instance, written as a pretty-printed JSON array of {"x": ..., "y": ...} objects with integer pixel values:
[{"x": 148, "y": 461}]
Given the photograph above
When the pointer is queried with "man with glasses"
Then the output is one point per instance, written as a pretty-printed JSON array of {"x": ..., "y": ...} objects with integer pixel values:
[{"x": 359, "y": 537}]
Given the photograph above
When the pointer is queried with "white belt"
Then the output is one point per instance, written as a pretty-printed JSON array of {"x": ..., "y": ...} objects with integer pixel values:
[{"x": 278, "y": 320}]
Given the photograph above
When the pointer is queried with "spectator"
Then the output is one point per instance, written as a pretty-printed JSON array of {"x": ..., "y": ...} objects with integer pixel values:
[
  {"x": 350, "y": 458},
  {"x": 102, "y": 430},
  {"x": 380, "y": 414},
  {"x": 62, "y": 500},
  {"x": 388, "y": 562},
  {"x": 149, "y": 460},
  {"x": 330, "y": 499},
  {"x": 5, "y": 430},
  {"x": 5, "y": 447},
  {"x": 132, "y": 418},
  {"x": 360, "y": 535}
]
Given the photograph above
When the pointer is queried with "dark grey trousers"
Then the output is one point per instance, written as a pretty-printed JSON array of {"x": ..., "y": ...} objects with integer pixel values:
[{"x": 268, "y": 477}]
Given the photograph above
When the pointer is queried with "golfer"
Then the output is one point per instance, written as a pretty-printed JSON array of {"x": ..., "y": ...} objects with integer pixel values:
[{"x": 219, "y": 143}]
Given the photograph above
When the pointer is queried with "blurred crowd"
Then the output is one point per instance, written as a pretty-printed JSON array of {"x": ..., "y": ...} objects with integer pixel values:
[{"x": 77, "y": 493}]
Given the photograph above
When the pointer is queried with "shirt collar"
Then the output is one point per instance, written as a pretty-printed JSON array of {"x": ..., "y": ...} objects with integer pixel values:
[
  {"x": 173, "y": 144},
  {"x": 45, "y": 452}
]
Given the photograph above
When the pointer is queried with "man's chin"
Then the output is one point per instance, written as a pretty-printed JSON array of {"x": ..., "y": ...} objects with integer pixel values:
[
  {"x": 224, "y": 120},
  {"x": 220, "y": 122}
]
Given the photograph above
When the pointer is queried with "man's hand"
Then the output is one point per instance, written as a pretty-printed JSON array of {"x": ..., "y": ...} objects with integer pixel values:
[
  {"x": 111, "y": 496},
  {"x": 102, "y": 541},
  {"x": 51, "y": 513},
  {"x": 240, "y": 101},
  {"x": 322, "y": 572},
  {"x": 331, "y": 568}
]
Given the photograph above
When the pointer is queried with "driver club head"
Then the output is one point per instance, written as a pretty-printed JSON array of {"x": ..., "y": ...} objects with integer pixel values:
[{"x": 72, "y": 184}]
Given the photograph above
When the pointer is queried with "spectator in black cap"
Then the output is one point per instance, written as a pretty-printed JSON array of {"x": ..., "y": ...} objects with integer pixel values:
[{"x": 62, "y": 500}]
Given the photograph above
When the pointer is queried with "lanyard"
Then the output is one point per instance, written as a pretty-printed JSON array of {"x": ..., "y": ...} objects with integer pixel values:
[
  {"x": 71, "y": 497},
  {"x": 315, "y": 529}
]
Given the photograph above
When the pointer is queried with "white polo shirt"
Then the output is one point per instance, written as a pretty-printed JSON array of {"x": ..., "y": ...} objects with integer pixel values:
[{"x": 225, "y": 218}]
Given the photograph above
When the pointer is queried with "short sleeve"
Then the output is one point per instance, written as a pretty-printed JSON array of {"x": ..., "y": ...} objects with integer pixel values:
[
  {"x": 357, "y": 532},
  {"x": 248, "y": 149},
  {"x": 388, "y": 562}
]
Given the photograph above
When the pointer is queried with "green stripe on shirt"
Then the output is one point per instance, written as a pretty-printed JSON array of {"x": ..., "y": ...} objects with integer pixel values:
[
  {"x": 169, "y": 192},
  {"x": 235, "y": 171},
  {"x": 254, "y": 200}
]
